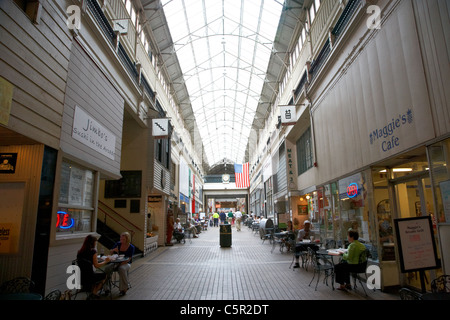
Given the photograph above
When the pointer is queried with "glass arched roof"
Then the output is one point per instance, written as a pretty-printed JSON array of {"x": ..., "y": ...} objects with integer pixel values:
[{"x": 223, "y": 47}]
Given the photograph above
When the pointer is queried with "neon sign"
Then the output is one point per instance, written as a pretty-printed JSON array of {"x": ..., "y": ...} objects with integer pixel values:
[
  {"x": 64, "y": 221},
  {"x": 352, "y": 190}
]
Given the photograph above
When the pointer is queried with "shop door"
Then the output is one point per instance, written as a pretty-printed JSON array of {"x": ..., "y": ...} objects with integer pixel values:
[{"x": 413, "y": 198}]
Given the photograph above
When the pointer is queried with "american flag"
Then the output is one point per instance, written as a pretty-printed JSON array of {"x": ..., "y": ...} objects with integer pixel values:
[{"x": 241, "y": 175}]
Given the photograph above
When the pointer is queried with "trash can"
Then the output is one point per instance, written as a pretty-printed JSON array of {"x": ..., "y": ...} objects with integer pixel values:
[
  {"x": 225, "y": 235},
  {"x": 265, "y": 226}
]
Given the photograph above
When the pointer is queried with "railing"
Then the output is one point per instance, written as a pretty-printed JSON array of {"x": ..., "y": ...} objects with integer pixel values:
[
  {"x": 321, "y": 57},
  {"x": 147, "y": 88},
  {"x": 131, "y": 67},
  {"x": 345, "y": 17},
  {"x": 217, "y": 178},
  {"x": 340, "y": 26},
  {"x": 320, "y": 26},
  {"x": 115, "y": 216},
  {"x": 300, "y": 86},
  {"x": 101, "y": 20}
]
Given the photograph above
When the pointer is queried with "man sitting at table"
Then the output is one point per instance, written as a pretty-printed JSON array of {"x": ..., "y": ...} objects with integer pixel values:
[{"x": 304, "y": 234}]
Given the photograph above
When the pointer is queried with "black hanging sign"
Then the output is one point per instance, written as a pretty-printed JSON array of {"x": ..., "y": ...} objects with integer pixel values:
[{"x": 8, "y": 162}]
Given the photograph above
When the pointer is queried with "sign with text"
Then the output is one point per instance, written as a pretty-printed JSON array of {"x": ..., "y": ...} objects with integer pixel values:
[
  {"x": 91, "y": 133},
  {"x": 160, "y": 128},
  {"x": 6, "y": 237},
  {"x": 389, "y": 136},
  {"x": 288, "y": 115},
  {"x": 8, "y": 162},
  {"x": 416, "y": 246}
]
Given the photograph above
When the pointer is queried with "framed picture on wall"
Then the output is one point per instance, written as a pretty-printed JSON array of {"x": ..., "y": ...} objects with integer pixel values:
[{"x": 302, "y": 210}]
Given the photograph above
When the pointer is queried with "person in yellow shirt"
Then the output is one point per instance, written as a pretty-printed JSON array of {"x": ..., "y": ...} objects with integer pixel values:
[
  {"x": 216, "y": 219},
  {"x": 350, "y": 260}
]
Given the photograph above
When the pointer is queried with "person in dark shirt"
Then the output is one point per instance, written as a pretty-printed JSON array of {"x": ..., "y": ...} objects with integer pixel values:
[
  {"x": 87, "y": 260},
  {"x": 223, "y": 217}
]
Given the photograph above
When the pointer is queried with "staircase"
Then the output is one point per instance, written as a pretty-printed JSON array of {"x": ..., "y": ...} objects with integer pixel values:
[{"x": 108, "y": 237}]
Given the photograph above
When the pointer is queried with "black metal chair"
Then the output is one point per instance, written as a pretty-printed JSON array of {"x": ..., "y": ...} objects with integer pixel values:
[
  {"x": 179, "y": 236},
  {"x": 303, "y": 255},
  {"x": 321, "y": 264},
  {"x": 87, "y": 283},
  {"x": 361, "y": 269},
  {"x": 330, "y": 244},
  {"x": 17, "y": 285},
  {"x": 441, "y": 284},
  {"x": 53, "y": 295},
  {"x": 408, "y": 294},
  {"x": 268, "y": 235}
]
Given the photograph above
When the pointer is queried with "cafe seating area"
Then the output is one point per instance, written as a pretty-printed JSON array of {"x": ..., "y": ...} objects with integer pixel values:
[{"x": 264, "y": 274}]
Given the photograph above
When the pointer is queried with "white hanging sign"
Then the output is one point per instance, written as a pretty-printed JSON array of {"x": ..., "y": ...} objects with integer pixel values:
[
  {"x": 91, "y": 133},
  {"x": 160, "y": 128},
  {"x": 288, "y": 115},
  {"x": 121, "y": 26}
]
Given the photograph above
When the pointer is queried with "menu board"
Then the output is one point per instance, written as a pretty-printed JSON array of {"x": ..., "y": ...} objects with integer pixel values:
[{"x": 416, "y": 246}]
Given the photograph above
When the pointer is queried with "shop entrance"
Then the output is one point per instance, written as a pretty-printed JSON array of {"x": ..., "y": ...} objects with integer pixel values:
[{"x": 413, "y": 198}]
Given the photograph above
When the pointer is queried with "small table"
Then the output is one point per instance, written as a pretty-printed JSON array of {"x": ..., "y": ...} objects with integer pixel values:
[
  {"x": 308, "y": 244},
  {"x": 330, "y": 253},
  {"x": 116, "y": 260},
  {"x": 279, "y": 237}
]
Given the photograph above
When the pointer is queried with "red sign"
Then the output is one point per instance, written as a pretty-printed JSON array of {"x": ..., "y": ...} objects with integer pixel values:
[
  {"x": 352, "y": 190},
  {"x": 64, "y": 221}
]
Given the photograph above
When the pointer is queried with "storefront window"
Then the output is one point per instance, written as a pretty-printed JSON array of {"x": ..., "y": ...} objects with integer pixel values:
[
  {"x": 326, "y": 216},
  {"x": 75, "y": 199},
  {"x": 354, "y": 210},
  {"x": 334, "y": 189},
  {"x": 330, "y": 221},
  {"x": 383, "y": 214},
  {"x": 439, "y": 155}
]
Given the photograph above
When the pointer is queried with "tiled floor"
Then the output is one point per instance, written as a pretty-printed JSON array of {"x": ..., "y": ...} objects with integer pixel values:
[{"x": 248, "y": 270}]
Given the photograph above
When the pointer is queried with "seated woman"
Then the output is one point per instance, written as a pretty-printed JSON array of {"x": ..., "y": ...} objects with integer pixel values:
[
  {"x": 124, "y": 247},
  {"x": 350, "y": 260},
  {"x": 87, "y": 260}
]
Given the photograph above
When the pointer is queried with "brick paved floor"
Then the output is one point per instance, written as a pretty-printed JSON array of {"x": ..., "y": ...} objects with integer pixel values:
[{"x": 248, "y": 270}]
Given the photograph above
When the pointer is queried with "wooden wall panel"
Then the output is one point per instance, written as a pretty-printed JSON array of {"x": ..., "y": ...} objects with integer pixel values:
[
  {"x": 28, "y": 170},
  {"x": 89, "y": 89},
  {"x": 34, "y": 58}
]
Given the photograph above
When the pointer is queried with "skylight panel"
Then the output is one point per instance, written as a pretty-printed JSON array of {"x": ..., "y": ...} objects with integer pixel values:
[{"x": 223, "y": 53}]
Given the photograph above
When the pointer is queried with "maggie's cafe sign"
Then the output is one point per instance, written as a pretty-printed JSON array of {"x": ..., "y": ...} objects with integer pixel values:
[{"x": 387, "y": 137}]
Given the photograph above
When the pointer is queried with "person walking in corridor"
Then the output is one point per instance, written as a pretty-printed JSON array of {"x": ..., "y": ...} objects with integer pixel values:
[
  {"x": 223, "y": 217},
  {"x": 230, "y": 217},
  {"x": 238, "y": 216},
  {"x": 216, "y": 219}
]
